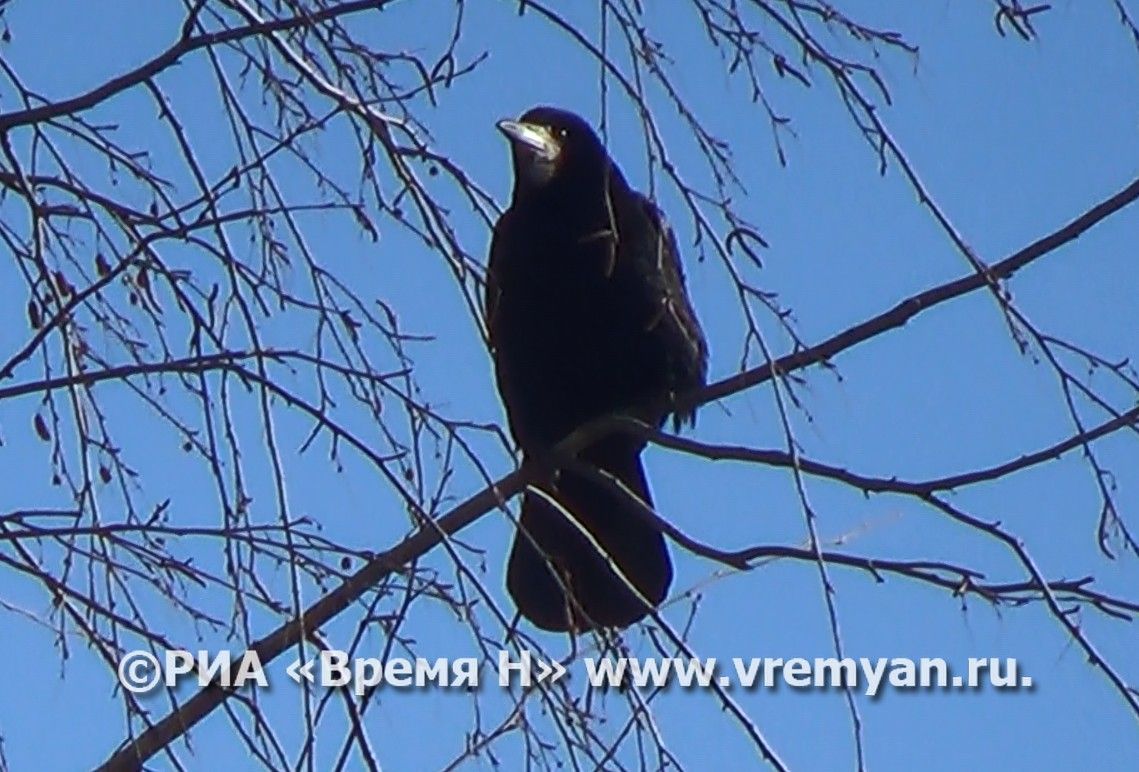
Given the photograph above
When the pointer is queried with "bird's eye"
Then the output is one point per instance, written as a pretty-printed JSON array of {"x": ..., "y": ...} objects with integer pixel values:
[{"x": 561, "y": 132}]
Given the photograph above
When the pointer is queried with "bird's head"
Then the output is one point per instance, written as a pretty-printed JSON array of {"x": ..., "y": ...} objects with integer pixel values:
[{"x": 548, "y": 145}]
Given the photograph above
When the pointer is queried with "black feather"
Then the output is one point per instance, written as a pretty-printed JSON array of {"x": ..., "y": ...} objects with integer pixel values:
[{"x": 588, "y": 316}]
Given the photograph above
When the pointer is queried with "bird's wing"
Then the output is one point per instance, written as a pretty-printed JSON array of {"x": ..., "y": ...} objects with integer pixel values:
[
  {"x": 677, "y": 309},
  {"x": 493, "y": 268}
]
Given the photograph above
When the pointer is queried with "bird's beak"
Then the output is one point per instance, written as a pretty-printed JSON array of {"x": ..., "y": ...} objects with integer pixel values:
[{"x": 532, "y": 138}]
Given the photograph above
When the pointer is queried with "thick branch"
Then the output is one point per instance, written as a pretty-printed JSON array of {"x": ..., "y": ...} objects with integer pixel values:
[{"x": 915, "y": 304}]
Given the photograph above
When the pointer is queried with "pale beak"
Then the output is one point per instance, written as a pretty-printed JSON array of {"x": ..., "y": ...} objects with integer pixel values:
[{"x": 532, "y": 138}]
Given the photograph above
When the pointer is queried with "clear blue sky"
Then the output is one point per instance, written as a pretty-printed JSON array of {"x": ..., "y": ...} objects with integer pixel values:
[{"x": 1012, "y": 138}]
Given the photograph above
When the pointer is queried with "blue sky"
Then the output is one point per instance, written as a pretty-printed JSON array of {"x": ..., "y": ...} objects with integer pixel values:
[{"x": 1012, "y": 139}]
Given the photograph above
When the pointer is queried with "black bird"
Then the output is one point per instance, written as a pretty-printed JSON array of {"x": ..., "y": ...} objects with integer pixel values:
[{"x": 588, "y": 316}]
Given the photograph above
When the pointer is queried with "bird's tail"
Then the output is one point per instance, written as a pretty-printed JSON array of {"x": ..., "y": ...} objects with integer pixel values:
[{"x": 547, "y": 543}]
